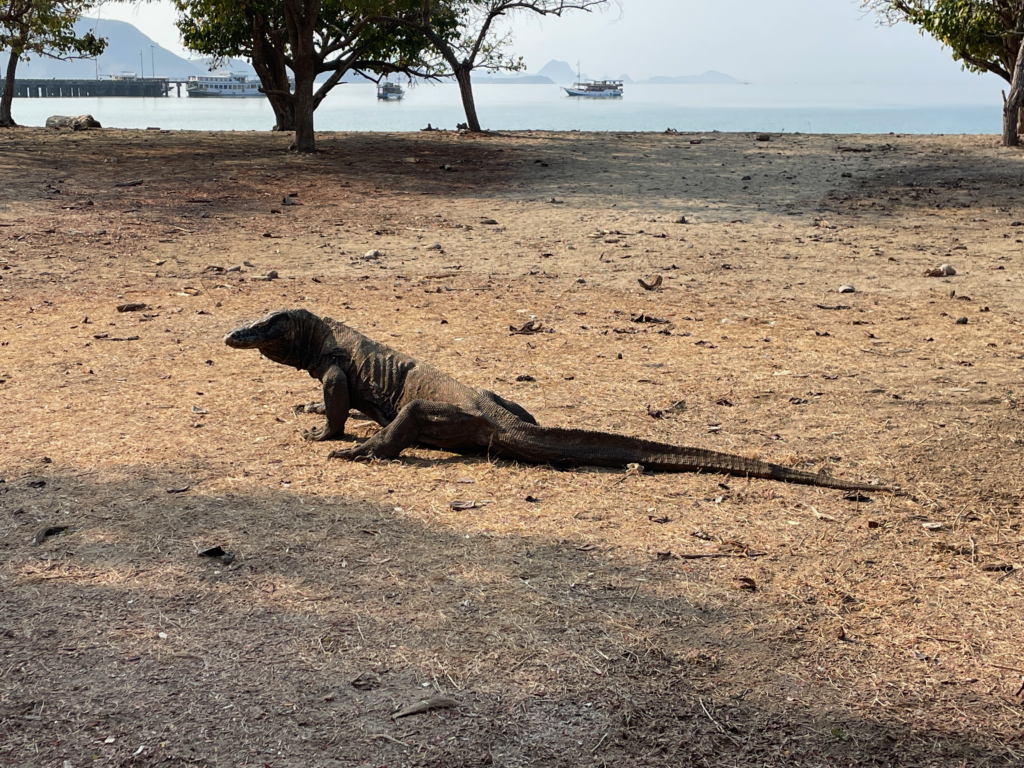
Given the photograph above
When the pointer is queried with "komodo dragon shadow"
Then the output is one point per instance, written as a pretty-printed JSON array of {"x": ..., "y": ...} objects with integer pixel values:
[{"x": 416, "y": 403}]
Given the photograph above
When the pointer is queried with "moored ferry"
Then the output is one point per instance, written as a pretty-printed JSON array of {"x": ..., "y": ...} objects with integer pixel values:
[
  {"x": 223, "y": 85},
  {"x": 387, "y": 91}
]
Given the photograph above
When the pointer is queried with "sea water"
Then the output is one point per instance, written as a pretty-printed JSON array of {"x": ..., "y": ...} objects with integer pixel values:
[{"x": 702, "y": 108}]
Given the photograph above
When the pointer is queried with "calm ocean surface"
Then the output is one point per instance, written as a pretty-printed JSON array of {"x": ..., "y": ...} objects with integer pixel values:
[{"x": 354, "y": 107}]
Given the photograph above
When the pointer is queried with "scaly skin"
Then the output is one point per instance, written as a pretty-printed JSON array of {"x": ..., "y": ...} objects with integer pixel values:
[{"x": 416, "y": 403}]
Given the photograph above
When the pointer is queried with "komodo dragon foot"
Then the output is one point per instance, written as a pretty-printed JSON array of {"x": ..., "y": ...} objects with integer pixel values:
[
  {"x": 319, "y": 434},
  {"x": 355, "y": 453}
]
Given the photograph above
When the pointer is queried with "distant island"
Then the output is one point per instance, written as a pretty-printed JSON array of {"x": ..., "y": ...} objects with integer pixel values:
[
  {"x": 562, "y": 73},
  {"x": 511, "y": 78},
  {"x": 711, "y": 77},
  {"x": 129, "y": 51}
]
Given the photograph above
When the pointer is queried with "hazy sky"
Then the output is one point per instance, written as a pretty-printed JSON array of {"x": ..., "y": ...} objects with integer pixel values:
[{"x": 785, "y": 41}]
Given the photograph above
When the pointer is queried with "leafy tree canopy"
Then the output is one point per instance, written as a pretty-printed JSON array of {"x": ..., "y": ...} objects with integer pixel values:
[
  {"x": 983, "y": 34},
  {"x": 42, "y": 28},
  {"x": 986, "y": 35}
]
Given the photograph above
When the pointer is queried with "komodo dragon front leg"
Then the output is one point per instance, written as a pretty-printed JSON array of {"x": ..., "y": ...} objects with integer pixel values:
[
  {"x": 441, "y": 425},
  {"x": 335, "y": 406}
]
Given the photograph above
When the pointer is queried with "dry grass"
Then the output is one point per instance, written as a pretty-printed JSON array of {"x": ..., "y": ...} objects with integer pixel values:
[{"x": 561, "y": 625}]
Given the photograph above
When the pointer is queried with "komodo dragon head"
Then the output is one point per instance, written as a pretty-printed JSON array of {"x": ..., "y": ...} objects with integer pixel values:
[{"x": 292, "y": 337}]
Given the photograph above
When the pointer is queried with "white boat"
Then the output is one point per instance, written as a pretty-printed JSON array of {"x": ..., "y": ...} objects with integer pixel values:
[
  {"x": 223, "y": 85},
  {"x": 596, "y": 89},
  {"x": 390, "y": 91}
]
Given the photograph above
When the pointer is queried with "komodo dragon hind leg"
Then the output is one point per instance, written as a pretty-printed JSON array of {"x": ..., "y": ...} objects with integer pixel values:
[
  {"x": 514, "y": 408},
  {"x": 441, "y": 425}
]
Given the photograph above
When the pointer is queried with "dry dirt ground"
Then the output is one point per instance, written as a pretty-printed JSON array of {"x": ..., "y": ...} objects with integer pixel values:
[{"x": 575, "y": 618}]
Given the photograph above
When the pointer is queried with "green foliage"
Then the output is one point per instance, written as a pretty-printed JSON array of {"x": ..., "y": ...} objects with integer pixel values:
[
  {"x": 232, "y": 28},
  {"x": 46, "y": 28},
  {"x": 985, "y": 35}
]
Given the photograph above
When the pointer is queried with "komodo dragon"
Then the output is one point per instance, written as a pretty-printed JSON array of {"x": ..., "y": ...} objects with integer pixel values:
[{"x": 416, "y": 403}]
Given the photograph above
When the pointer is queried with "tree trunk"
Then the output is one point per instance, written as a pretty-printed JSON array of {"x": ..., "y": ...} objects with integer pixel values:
[
  {"x": 301, "y": 18},
  {"x": 273, "y": 74},
  {"x": 6, "y": 120},
  {"x": 1011, "y": 115},
  {"x": 305, "y": 139},
  {"x": 1014, "y": 103},
  {"x": 303, "y": 102},
  {"x": 284, "y": 113},
  {"x": 463, "y": 74}
]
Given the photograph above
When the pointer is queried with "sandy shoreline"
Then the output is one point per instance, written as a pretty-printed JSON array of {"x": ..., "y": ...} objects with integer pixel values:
[{"x": 568, "y": 628}]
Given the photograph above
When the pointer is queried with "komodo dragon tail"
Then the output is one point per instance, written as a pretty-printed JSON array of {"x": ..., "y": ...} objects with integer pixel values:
[{"x": 577, "y": 447}]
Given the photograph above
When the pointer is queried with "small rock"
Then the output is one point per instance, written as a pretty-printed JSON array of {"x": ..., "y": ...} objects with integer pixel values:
[
  {"x": 679, "y": 220},
  {"x": 131, "y": 307},
  {"x": 847, "y": 289},
  {"x": 943, "y": 270},
  {"x": 764, "y": 137},
  {"x": 372, "y": 255},
  {"x": 489, "y": 222},
  {"x": 960, "y": 321},
  {"x": 433, "y": 247},
  {"x": 745, "y": 178}
]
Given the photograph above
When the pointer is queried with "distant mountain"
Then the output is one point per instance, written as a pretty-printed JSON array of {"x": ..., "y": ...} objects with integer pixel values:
[
  {"x": 511, "y": 79},
  {"x": 559, "y": 72},
  {"x": 708, "y": 78},
  {"x": 128, "y": 50}
]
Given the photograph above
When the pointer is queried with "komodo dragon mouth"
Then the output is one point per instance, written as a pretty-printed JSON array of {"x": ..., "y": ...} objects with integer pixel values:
[
  {"x": 258, "y": 332},
  {"x": 287, "y": 336}
]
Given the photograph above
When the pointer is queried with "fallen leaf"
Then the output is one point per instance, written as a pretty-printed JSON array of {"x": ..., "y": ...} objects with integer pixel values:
[
  {"x": 651, "y": 286},
  {"x": 435, "y": 702},
  {"x": 47, "y": 533},
  {"x": 468, "y": 504}
]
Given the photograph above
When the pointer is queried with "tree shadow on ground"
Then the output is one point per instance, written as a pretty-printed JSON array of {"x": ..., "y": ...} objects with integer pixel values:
[{"x": 121, "y": 645}]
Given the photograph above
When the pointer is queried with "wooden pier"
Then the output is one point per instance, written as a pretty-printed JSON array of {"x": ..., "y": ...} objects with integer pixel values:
[{"x": 132, "y": 87}]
